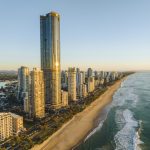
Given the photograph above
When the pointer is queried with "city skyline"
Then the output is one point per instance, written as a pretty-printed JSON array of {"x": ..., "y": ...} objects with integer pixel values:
[
  {"x": 104, "y": 37},
  {"x": 83, "y": 77}
]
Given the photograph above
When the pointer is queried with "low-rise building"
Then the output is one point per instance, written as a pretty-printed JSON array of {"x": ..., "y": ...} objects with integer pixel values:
[{"x": 10, "y": 124}]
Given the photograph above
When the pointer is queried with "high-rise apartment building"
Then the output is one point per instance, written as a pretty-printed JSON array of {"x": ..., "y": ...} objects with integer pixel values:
[
  {"x": 97, "y": 83},
  {"x": 50, "y": 57},
  {"x": 90, "y": 72},
  {"x": 80, "y": 84},
  {"x": 24, "y": 87},
  {"x": 5, "y": 126},
  {"x": 37, "y": 94},
  {"x": 96, "y": 74},
  {"x": 64, "y": 79},
  {"x": 91, "y": 84},
  {"x": 78, "y": 77},
  {"x": 84, "y": 90},
  {"x": 83, "y": 76},
  {"x": 10, "y": 124},
  {"x": 72, "y": 84},
  {"x": 64, "y": 97},
  {"x": 17, "y": 123}
]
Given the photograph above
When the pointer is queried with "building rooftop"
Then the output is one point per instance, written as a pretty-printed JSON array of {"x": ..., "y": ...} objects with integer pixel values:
[
  {"x": 54, "y": 14},
  {"x": 9, "y": 113},
  {"x": 15, "y": 116},
  {"x": 4, "y": 114}
]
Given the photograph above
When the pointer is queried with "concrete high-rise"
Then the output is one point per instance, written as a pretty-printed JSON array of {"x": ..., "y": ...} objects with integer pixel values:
[
  {"x": 5, "y": 126},
  {"x": 83, "y": 76},
  {"x": 24, "y": 87},
  {"x": 17, "y": 123},
  {"x": 37, "y": 94},
  {"x": 64, "y": 79},
  {"x": 80, "y": 84},
  {"x": 91, "y": 84},
  {"x": 10, "y": 124},
  {"x": 84, "y": 90},
  {"x": 50, "y": 57},
  {"x": 72, "y": 84},
  {"x": 78, "y": 77},
  {"x": 90, "y": 72},
  {"x": 64, "y": 98}
]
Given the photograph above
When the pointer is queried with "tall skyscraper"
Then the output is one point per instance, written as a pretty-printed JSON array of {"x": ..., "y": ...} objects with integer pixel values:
[
  {"x": 84, "y": 90},
  {"x": 37, "y": 94},
  {"x": 78, "y": 77},
  {"x": 91, "y": 84},
  {"x": 72, "y": 84},
  {"x": 50, "y": 57},
  {"x": 23, "y": 87},
  {"x": 83, "y": 76},
  {"x": 64, "y": 97},
  {"x": 78, "y": 81},
  {"x": 81, "y": 81},
  {"x": 90, "y": 72},
  {"x": 64, "y": 79}
]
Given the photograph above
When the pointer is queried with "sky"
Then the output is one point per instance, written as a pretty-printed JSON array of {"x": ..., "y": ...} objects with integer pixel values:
[{"x": 102, "y": 34}]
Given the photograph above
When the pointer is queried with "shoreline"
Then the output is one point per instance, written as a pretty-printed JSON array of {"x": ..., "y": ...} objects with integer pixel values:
[
  {"x": 82, "y": 123},
  {"x": 100, "y": 117}
]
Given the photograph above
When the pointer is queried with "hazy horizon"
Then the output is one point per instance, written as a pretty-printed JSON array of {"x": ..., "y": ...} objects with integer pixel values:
[{"x": 103, "y": 35}]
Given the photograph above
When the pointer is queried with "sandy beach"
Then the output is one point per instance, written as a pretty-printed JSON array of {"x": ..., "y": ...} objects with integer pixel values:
[{"x": 71, "y": 133}]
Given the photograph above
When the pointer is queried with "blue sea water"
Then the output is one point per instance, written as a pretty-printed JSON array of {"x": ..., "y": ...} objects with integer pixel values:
[{"x": 125, "y": 123}]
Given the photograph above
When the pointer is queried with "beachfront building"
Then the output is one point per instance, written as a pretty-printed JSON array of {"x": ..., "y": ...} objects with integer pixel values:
[
  {"x": 102, "y": 81},
  {"x": 78, "y": 81},
  {"x": 114, "y": 76},
  {"x": 5, "y": 126},
  {"x": 72, "y": 84},
  {"x": 80, "y": 90},
  {"x": 64, "y": 98},
  {"x": 77, "y": 77},
  {"x": 89, "y": 72},
  {"x": 84, "y": 90},
  {"x": 37, "y": 94},
  {"x": 91, "y": 84},
  {"x": 64, "y": 79},
  {"x": 80, "y": 84},
  {"x": 17, "y": 123},
  {"x": 50, "y": 57},
  {"x": 97, "y": 83},
  {"x": 23, "y": 87},
  {"x": 96, "y": 74},
  {"x": 83, "y": 76},
  {"x": 10, "y": 124}
]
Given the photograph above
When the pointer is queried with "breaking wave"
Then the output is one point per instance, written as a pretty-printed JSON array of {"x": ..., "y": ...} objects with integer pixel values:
[{"x": 127, "y": 138}]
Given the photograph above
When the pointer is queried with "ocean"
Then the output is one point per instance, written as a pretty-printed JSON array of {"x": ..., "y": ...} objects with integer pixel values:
[{"x": 125, "y": 123}]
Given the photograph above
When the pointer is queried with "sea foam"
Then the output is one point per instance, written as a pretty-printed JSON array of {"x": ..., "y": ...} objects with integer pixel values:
[
  {"x": 101, "y": 121},
  {"x": 127, "y": 138}
]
